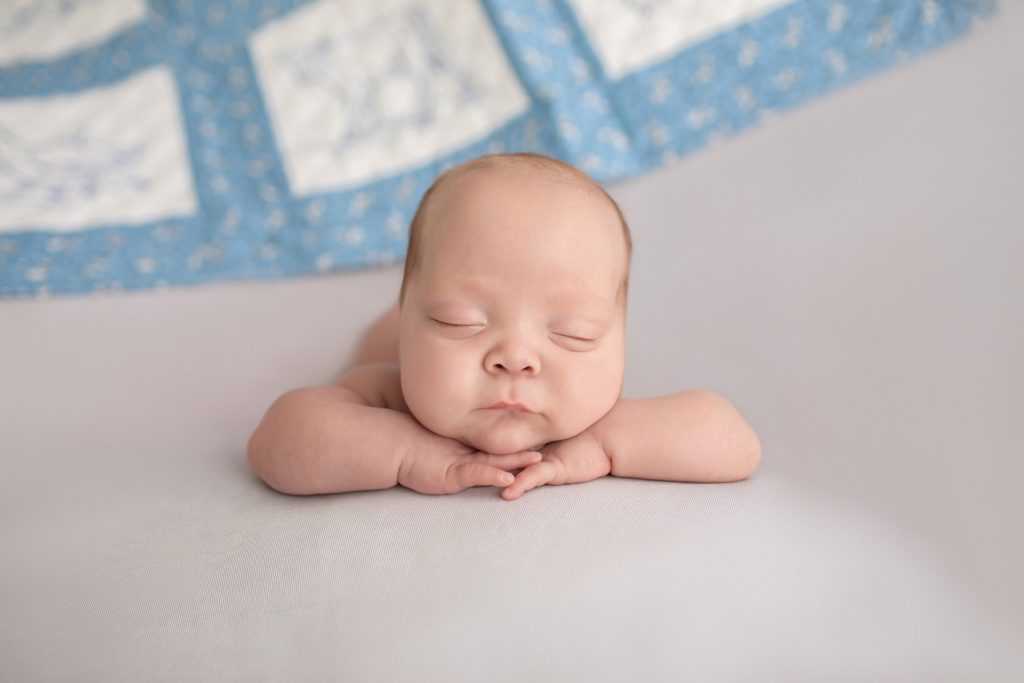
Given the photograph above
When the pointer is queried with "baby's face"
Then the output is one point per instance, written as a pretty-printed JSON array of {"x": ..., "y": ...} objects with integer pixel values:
[{"x": 514, "y": 302}]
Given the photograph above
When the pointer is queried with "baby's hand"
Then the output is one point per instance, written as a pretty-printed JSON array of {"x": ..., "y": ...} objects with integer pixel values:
[
  {"x": 570, "y": 461},
  {"x": 437, "y": 464}
]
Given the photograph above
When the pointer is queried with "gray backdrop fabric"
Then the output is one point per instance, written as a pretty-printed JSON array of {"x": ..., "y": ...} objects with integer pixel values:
[{"x": 856, "y": 295}]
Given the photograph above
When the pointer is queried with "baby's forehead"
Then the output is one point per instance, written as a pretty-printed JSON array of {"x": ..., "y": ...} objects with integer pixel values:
[
  {"x": 512, "y": 175},
  {"x": 517, "y": 208},
  {"x": 488, "y": 194}
]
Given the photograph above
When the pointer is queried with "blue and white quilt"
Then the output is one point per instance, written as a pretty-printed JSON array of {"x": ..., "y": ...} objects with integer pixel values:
[{"x": 169, "y": 142}]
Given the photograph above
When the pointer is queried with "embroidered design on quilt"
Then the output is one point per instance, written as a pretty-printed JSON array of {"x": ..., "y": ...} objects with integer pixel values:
[
  {"x": 47, "y": 29},
  {"x": 357, "y": 91},
  {"x": 66, "y": 163},
  {"x": 407, "y": 69},
  {"x": 65, "y": 168},
  {"x": 644, "y": 7},
  {"x": 17, "y": 16}
]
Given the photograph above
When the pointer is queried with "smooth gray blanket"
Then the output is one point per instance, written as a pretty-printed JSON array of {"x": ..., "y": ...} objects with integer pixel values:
[{"x": 857, "y": 296}]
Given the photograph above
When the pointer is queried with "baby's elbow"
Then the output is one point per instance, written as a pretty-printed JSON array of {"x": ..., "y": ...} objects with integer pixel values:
[
  {"x": 271, "y": 467},
  {"x": 263, "y": 465},
  {"x": 741, "y": 452},
  {"x": 749, "y": 456},
  {"x": 257, "y": 455},
  {"x": 264, "y": 449},
  {"x": 254, "y": 454}
]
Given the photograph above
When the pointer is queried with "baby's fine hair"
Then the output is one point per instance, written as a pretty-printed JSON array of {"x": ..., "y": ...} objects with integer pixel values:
[{"x": 524, "y": 164}]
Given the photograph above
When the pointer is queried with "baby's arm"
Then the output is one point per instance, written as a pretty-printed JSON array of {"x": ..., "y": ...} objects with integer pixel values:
[
  {"x": 333, "y": 439},
  {"x": 695, "y": 436},
  {"x": 360, "y": 436}
]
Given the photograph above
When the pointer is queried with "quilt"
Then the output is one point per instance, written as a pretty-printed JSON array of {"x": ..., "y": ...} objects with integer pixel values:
[{"x": 164, "y": 143}]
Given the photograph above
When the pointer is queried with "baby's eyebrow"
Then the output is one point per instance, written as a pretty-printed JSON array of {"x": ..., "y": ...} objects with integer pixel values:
[
  {"x": 460, "y": 292},
  {"x": 584, "y": 313},
  {"x": 446, "y": 304},
  {"x": 583, "y": 306},
  {"x": 591, "y": 313}
]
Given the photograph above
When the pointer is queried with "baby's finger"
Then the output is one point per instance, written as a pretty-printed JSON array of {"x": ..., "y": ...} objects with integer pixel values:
[
  {"x": 530, "y": 478},
  {"x": 477, "y": 474},
  {"x": 512, "y": 461}
]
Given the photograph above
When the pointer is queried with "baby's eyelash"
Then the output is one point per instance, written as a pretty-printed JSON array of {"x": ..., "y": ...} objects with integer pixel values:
[
  {"x": 579, "y": 339},
  {"x": 582, "y": 340}
]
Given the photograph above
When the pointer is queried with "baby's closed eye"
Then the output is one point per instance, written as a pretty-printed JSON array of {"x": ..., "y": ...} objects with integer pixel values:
[
  {"x": 574, "y": 343},
  {"x": 448, "y": 324},
  {"x": 456, "y": 330}
]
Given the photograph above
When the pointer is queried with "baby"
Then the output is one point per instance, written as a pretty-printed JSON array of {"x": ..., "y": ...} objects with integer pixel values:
[{"x": 502, "y": 363}]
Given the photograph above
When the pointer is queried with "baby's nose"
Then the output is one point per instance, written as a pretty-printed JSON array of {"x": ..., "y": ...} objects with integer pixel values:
[
  {"x": 526, "y": 368},
  {"x": 512, "y": 361}
]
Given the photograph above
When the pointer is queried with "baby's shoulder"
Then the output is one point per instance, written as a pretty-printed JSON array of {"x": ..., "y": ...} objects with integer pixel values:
[{"x": 379, "y": 383}]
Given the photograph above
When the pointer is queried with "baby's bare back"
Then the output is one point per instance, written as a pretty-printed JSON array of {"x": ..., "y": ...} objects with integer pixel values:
[
  {"x": 379, "y": 344},
  {"x": 379, "y": 383}
]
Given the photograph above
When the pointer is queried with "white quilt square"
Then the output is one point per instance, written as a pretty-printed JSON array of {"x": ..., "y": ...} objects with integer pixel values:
[
  {"x": 361, "y": 90},
  {"x": 629, "y": 35},
  {"x": 33, "y": 30},
  {"x": 115, "y": 154}
]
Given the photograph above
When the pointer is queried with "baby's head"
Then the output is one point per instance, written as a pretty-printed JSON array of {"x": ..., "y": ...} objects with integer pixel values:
[{"x": 515, "y": 291}]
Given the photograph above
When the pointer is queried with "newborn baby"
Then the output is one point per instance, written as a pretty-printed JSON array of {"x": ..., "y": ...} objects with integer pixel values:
[{"x": 502, "y": 363}]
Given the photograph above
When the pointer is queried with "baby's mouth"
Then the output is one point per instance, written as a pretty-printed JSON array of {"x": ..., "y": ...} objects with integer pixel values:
[{"x": 502, "y": 405}]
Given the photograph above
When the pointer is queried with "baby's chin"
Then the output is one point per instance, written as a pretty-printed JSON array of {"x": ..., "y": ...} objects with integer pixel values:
[{"x": 504, "y": 442}]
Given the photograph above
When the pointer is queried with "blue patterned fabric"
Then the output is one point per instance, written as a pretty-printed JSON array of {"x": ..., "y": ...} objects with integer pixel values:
[{"x": 172, "y": 142}]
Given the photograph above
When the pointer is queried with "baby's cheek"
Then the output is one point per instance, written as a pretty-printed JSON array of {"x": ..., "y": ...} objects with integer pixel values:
[
  {"x": 427, "y": 393},
  {"x": 595, "y": 395},
  {"x": 417, "y": 396}
]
